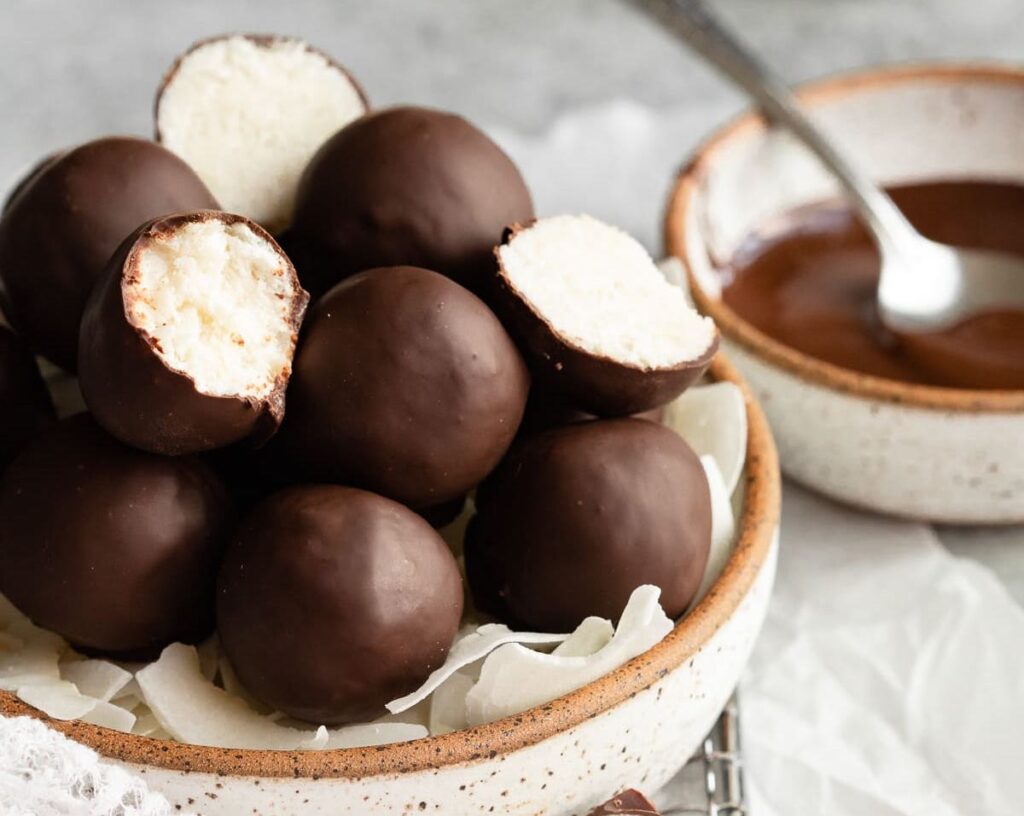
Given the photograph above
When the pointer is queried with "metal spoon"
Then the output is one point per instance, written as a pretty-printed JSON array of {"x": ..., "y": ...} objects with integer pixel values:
[{"x": 925, "y": 286}]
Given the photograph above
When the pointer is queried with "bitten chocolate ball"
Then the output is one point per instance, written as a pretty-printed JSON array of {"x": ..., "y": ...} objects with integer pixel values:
[
  {"x": 405, "y": 186},
  {"x": 25, "y": 404},
  {"x": 187, "y": 342},
  {"x": 578, "y": 517},
  {"x": 58, "y": 233},
  {"x": 600, "y": 326},
  {"x": 405, "y": 384},
  {"x": 333, "y": 601},
  {"x": 114, "y": 549},
  {"x": 248, "y": 112}
]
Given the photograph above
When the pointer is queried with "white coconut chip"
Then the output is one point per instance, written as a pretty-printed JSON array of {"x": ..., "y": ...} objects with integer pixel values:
[
  {"x": 194, "y": 710},
  {"x": 723, "y": 527},
  {"x": 99, "y": 679},
  {"x": 34, "y": 660},
  {"x": 713, "y": 421},
  {"x": 514, "y": 678},
  {"x": 448, "y": 703},
  {"x": 57, "y": 698},
  {"x": 110, "y": 715},
  {"x": 590, "y": 637},
  {"x": 470, "y": 645}
]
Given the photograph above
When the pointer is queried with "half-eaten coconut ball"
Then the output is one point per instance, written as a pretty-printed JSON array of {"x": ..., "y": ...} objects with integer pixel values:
[
  {"x": 247, "y": 112},
  {"x": 406, "y": 186},
  {"x": 60, "y": 229},
  {"x": 406, "y": 384},
  {"x": 334, "y": 601},
  {"x": 597, "y": 320},
  {"x": 187, "y": 342},
  {"x": 112, "y": 548},
  {"x": 578, "y": 517}
]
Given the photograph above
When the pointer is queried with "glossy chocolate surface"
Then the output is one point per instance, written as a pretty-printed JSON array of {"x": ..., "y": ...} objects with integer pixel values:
[
  {"x": 112, "y": 548},
  {"x": 333, "y": 601},
  {"x": 810, "y": 284},
  {"x": 404, "y": 383},
  {"x": 405, "y": 186},
  {"x": 58, "y": 233},
  {"x": 628, "y": 803},
  {"x": 578, "y": 517},
  {"x": 26, "y": 407},
  {"x": 134, "y": 394}
]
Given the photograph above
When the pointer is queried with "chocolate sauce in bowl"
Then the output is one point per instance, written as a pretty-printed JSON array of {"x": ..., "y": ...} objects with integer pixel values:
[{"x": 809, "y": 282}]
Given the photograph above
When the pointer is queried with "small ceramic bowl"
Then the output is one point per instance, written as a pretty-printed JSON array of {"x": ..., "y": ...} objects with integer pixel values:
[
  {"x": 929, "y": 453},
  {"x": 633, "y": 727}
]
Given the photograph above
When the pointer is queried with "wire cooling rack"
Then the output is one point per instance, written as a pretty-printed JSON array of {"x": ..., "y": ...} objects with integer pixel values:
[{"x": 712, "y": 781}]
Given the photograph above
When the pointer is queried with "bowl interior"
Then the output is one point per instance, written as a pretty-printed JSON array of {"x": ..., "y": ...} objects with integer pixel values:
[{"x": 902, "y": 125}]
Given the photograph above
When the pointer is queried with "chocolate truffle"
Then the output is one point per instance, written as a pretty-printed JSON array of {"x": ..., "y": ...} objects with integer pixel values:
[
  {"x": 25, "y": 404},
  {"x": 333, "y": 601},
  {"x": 34, "y": 172},
  {"x": 628, "y": 803},
  {"x": 596, "y": 319},
  {"x": 59, "y": 232},
  {"x": 405, "y": 384},
  {"x": 406, "y": 186},
  {"x": 187, "y": 342},
  {"x": 578, "y": 517},
  {"x": 112, "y": 548},
  {"x": 247, "y": 112}
]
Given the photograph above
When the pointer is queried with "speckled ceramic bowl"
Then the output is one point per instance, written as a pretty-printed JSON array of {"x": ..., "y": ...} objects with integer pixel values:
[
  {"x": 634, "y": 727},
  {"x": 929, "y": 453}
]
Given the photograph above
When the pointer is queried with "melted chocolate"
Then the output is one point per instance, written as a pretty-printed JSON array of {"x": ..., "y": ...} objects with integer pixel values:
[{"x": 811, "y": 285}]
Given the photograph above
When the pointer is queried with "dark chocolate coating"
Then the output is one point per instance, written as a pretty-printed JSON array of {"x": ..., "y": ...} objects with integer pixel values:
[
  {"x": 592, "y": 383},
  {"x": 60, "y": 231},
  {"x": 25, "y": 403},
  {"x": 545, "y": 410},
  {"x": 114, "y": 549},
  {"x": 405, "y": 186},
  {"x": 578, "y": 517},
  {"x": 129, "y": 389},
  {"x": 333, "y": 601},
  {"x": 441, "y": 515},
  {"x": 628, "y": 803},
  {"x": 405, "y": 384},
  {"x": 26, "y": 180}
]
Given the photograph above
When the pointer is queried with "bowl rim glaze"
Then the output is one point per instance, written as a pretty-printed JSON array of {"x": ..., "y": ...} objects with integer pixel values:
[
  {"x": 756, "y": 530},
  {"x": 687, "y": 188}
]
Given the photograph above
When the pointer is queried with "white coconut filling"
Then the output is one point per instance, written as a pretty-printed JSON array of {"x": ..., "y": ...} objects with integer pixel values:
[
  {"x": 599, "y": 289},
  {"x": 248, "y": 117},
  {"x": 217, "y": 300}
]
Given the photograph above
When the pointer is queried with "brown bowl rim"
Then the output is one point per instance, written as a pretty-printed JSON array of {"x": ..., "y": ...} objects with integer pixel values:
[
  {"x": 757, "y": 527},
  {"x": 687, "y": 185}
]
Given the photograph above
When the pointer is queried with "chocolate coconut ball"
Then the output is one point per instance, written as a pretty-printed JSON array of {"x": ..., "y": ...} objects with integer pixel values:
[
  {"x": 405, "y": 186},
  {"x": 114, "y": 549},
  {"x": 186, "y": 344},
  {"x": 248, "y": 112},
  {"x": 404, "y": 384},
  {"x": 25, "y": 404},
  {"x": 578, "y": 517},
  {"x": 59, "y": 232},
  {"x": 333, "y": 601}
]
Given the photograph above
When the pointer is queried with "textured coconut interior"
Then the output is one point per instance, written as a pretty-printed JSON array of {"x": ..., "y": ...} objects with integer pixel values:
[
  {"x": 600, "y": 290},
  {"x": 217, "y": 298},
  {"x": 248, "y": 117}
]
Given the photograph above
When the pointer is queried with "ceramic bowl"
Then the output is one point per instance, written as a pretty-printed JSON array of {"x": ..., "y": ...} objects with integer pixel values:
[
  {"x": 633, "y": 727},
  {"x": 929, "y": 453}
]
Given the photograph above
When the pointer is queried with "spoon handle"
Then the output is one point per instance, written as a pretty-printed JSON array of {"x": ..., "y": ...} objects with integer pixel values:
[{"x": 691, "y": 22}]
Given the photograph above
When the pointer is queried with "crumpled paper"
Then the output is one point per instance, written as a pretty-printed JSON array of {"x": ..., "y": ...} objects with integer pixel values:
[{"x": 889, "y": 678}]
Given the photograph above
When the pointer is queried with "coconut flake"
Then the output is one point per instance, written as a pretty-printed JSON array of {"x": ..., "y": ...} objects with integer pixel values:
[
  {"x": 109, "y": 715},
  {"x": 723, "y": 528},
  {"x": 471, "y": 645},
  {"x": 448, "y": 703},
  {"x": 514, "y": 678},
  {"x": 194, "y": 710},
  {"x": 590, "y": 636},
  {"x": 713, "y": 421},
  {"x": 99, "y": 679},
  {"x": 57, "y": 698},
  {"x": 34, "y": 661}
]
